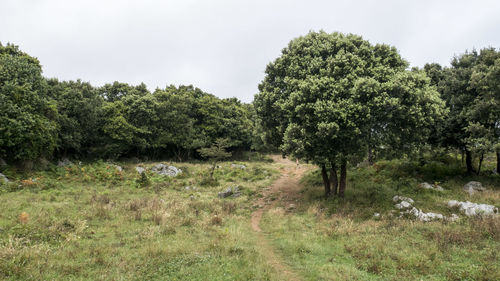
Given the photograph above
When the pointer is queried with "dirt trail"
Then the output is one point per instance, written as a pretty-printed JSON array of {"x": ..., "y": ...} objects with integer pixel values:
[{"x": 285, "y": 190}]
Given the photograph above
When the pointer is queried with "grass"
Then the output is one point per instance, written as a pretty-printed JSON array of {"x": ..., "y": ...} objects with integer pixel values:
[
  {"x": 93, "y": 222},
  {"x": 338, "y": 239}
]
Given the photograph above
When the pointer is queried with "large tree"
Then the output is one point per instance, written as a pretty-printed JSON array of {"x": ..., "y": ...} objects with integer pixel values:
[
  {"x": 332, "y": 97},
  {"x": 470, "y": 89},
  {"x": 27, "y": 114}
]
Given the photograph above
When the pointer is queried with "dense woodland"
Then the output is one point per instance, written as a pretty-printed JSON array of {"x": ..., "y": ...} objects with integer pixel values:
[{"x": 329, "y": 98}]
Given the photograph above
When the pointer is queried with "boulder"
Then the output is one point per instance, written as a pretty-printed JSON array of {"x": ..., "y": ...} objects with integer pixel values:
[
  {"x": 423, "y": 216},
  {"x": 473, "y": 186},
  {"x": 426, "y": 185},
  {"x": 473, "y": 209},
  {"x": 64, "y": 162},
  {"x": 4, "y": 178},
  {"x": 118, "y": 168},
  {"x": 398, "y": 198},
  {"x": 226, "y": 193},
  {"x": 140, "y": 169},
  {"x": 164, "y": 170},
  {"x": 238, "y": 166},
  {"x": 230, "y": 191},
  {"x": 403, "y": 205}
]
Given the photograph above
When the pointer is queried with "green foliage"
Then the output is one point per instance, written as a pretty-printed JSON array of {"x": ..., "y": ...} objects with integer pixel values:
[
  {"x": 27, "y": 115},
  {"x": 336, "y": 94},
  {"x": 143, "y": 180}
]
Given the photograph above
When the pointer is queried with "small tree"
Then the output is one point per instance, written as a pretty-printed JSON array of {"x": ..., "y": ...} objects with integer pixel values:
[{"x": 216, "y": 152}]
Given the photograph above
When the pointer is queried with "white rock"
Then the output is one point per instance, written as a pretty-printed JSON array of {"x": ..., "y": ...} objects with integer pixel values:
[
  {"x": 426, "y": 185},
  {"x": 403, "y": 205},
  {"x": 398, "y": 198},
  {"x": 425, "y": 217},
  {"x": 140, "y": 169},
  {"x": 453, "y": 217},
  {"x": 238, "y": 166},
  {"x": 164, "y": 170},
  {"x": 376, "y": 215},
  {"x": 118, "y": 168},
  {"x": 473, "y": 209},
  {"x": 4, "y": 178},
  {"x": 473, "y": 186}
]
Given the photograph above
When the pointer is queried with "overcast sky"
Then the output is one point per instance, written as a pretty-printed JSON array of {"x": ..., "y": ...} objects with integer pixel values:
[{"x": 222, "y": 46}]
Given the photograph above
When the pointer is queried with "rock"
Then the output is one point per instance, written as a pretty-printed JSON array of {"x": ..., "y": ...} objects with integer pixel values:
[
  {"x": 140, "y": 169},
  {"x": 426, "y": 185},
  {"x": 422, "y": 216},
  {"x": 403, "y": 205},
  {"x": 473, "y": 209},
  {"x": 234, "y": 191},
  {"x": 376, "y": 216},
  {"x": 164, "y": 170},
  {"x": 226, "y": 193},
  {"x": 398, "y": 198},
  {"x": 291, "y": 207},
  {"x": 453, "y": 217},
  {"x": 238, "y": 166},
  {"x": 118, "y": 168},
  {"x": 190, "y": 188},
  {"x": 64, "y": 162},
  {"x": 4, "y": 178},
  {"x": 473, "y": 186}
]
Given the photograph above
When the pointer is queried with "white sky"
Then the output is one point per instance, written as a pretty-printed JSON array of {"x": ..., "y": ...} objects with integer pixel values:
[{"x": 222, "y": 46}]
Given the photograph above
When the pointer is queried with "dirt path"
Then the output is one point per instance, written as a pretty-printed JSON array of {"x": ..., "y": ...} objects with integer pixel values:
[{"x": 285, "y": 190}]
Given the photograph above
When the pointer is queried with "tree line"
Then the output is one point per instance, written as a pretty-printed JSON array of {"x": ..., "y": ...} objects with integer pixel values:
[
  {"x": 334, "y": 98},
  {"x": 48, "y": 118},
  {"x": 330, "y": 99}
]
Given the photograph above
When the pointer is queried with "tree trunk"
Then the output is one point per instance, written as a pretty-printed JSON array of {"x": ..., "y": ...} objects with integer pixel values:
[
  {"x": 498, "y": 162},
  {"x": 371, "y": 159},
  {"x": 213, "y": 170},
  {"x": 468, "y": 162},
  {"x": 334, "y": 182},
  {"x": 326, "y": 182},
  {"x": 343, "y": 175},
  {"x": 480, "y": 163}
]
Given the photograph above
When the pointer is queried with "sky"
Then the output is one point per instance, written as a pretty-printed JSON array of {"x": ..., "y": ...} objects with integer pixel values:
[{"x": 222, "y": 46}]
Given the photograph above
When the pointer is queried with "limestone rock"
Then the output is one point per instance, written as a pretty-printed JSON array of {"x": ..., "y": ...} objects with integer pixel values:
[
  {"x": 426, "y": 185},
  {"x": 164, "y": 170},
  {"x": 398, "y": 198},
  {"x": 473, "y": 186},
  {"x": 226, "y": 193},
  {"x": 403, "y": 205},
  {"x": 234, "y": 191},
  {"x": 423, "y": 216},
  {"x": 473, "y": 209},
  {"x": 4, "y": 178}
]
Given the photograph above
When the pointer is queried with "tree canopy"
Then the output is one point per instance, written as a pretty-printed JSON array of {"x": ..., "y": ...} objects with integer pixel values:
[{"x": 330, "y": 97}]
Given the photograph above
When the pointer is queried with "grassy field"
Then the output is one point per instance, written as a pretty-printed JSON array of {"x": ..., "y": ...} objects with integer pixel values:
[{"x": 93, "y": 222}]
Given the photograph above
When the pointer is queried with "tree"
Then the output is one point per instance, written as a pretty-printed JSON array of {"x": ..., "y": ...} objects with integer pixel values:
[
  {"x": 216, "y": 152},
  {"x": 330, "y": 97},
  {"x": 27, "y": 114},
  {"x": 80, "y": 117},
  {"x": 468, "y": 87}
]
